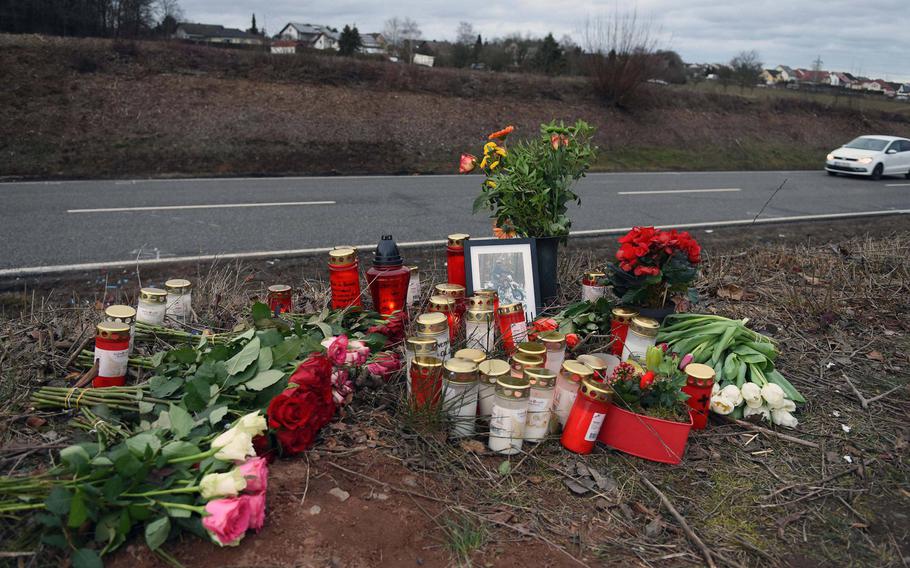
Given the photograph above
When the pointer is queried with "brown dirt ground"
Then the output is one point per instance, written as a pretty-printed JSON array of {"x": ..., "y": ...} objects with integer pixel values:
[{"x": 92, "y": 108}]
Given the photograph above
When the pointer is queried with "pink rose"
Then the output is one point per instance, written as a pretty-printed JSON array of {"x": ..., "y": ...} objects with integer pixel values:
[
  {"x": 357, "y": 353},
  {"x": 384, "y": 365},
  {"x": 685, "y": 361},
  {"x": 466, "y": 163},
  {"x": 342, "y": 387},
  {"x": 256, "y": 473},
  {"x": 227, "y": 520},
  {"x": 256, "y": 506},
  {"x": 338, "y": 349}
]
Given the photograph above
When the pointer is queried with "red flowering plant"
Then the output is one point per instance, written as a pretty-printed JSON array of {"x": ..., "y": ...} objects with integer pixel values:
[
  {"x": 655, "y": 267},
  {"x": 655, "y": 390}
]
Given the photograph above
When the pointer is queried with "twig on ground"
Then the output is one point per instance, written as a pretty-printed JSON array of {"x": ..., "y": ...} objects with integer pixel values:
[
  {"x": 865, "y": 402},
  {"x": 763, "y": 430},
  {"x": 693, "y": 538},
  {"x": 390, "y": 486}
]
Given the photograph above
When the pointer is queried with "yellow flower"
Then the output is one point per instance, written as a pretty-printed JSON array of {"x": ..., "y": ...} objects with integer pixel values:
[
  {"x": 491, "y": 183},
  {"x": 483, "y": 163},
  {"x": 489, "y": 147},
  {"x": 501, "y": 151},
  {"x": 494, "y": 165}
]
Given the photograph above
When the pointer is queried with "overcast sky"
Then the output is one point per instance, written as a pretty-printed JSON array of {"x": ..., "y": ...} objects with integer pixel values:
[{"x": 867, "y": 37}]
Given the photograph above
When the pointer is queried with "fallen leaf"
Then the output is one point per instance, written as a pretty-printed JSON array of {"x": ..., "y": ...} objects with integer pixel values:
[
  {"x": 473, "y": 446},
  {"x": 606, "y": 483},
  {"x": 577, "y": 487},
  {"x": 505, "y": 468},
  {"x": 812, "y": 280},
  {"x": 535, "y": 479},
  {"x": 653, "y": 528},
  {"x": 730, "y": 291},
  {"x": 35, "y": 422},
  {"x": 875, "y": 356},
  {"x": 502, "y": 517}
]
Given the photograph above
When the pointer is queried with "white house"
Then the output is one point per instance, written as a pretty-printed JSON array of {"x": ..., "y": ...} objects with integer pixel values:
[
  {"x": 209, "y": 33},
  {"x": 372, "y": 44},
  {"x": 425, "y": 60},
  {"x": 310, "y": 35},
  {"x": 786, "y": 74}
]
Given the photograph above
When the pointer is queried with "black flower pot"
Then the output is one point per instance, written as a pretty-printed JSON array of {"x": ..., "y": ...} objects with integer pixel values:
[
  {"x": 657, "y": 313},
  {"x": 547, "y": 254}
]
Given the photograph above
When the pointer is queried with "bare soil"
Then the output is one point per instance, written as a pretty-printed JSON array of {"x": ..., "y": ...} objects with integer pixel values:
[{"x": 94, "y": 108}]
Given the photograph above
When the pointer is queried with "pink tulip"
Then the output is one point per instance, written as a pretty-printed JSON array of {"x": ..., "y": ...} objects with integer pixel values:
[
  {"x": 256, "y": 473},
  {"x": 685, "y": 361},
  {"x": 467, "y": 163},
  {"x": 227, "y": 520},
  {"x": 256, "y": 506}
]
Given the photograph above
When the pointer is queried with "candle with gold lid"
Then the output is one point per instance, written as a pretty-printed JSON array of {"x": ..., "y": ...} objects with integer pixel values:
[
  {"x": 540, "y": 402},
  {"x": 555, "y": 342},
  {"x": 513, "y": 328},
  {"x": 570, "y": 376},
  {"x": 522, "y": 361},
  {"x": 534, "y": 348},
  {"x": 479, "y": 331},
  {"x": 460, "y": 398},
  {"x": 112, "y": 353},
  {"x": 279, "y": 298},
  {"x": 179, "y": 299},
  {"x": 455, "y": 258},
  {"x": 152, "y": 306},
  {"x": 593, "y": 286},
  {"x": 510, "y": 414},
  {"x": 490, "y": 371},
  {"x": 642, "y": 334},
  {"x": 435, "y": 325},
  {"x": 344, "y": 277},
  {"x": 123, "y": 314}
]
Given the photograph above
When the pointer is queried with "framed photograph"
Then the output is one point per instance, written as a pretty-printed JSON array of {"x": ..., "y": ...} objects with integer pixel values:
[{"x": 508, "y": 266}]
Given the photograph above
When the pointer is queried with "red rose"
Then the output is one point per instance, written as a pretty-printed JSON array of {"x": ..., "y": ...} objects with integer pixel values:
[
  {"x": 571, "y": 340},
  {"x": 263, "y": 446},
  {"x": 312, "y": 372},
  {"x": 545, "y": 324},
  {"x": 646, "y": 380}
]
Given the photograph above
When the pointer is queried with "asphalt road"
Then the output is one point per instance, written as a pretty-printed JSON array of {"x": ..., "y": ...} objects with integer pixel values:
[{"x": 49, "y": 226}]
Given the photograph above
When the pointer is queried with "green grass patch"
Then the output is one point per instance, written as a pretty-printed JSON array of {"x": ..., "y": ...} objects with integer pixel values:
[{"x": 751, "y": 156}]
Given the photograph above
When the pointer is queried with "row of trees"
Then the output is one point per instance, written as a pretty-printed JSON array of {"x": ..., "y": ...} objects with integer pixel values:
[{"x": 105, "y": 18}]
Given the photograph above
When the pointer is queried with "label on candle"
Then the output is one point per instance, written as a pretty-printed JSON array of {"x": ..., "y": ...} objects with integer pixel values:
[
  {"x": 519, "y": 332},
  {"x": 592, "y": 293},
  {"x": 562, "y": 403},
  {"x": 538, "y": 417},
  {"x": 508, "y": 423},
  {"x": 112, "y": 363},
  {"x": 413, "y": 289},
  {"x": 594, "y": 428},
  {"x": 149, "y": 315}
]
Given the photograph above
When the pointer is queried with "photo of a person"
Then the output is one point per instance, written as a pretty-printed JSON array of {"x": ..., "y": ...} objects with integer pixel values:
[
  {"x": 507, "y": 266},
  {"x": 504, "y": 272}
]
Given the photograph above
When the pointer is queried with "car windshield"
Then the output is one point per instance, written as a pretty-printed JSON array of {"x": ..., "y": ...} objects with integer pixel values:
[{"x": 867, "y": 144}]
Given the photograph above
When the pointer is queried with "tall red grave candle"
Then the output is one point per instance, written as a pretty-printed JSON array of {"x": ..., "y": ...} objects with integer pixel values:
[
  {"x": 344, "y": 277},
  {"x": 699, "y": 383},
  {"x": 619, "y": 328},
  {"x": 388, "y": 278},
  {"x": 455, "y": 258},
  {"x": 586, "y": 417}
]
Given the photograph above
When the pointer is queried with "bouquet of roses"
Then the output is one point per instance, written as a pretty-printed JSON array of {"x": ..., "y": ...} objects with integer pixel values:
[{"x": 653, "y": 267}]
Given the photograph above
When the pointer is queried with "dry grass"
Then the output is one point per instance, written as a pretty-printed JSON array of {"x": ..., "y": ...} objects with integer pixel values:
[{"x": 755, "y": 499}]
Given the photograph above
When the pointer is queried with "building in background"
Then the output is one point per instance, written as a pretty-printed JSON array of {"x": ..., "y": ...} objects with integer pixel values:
[
  {"x": 215, "y": 34},
  {"x": 310, "y": 35}
]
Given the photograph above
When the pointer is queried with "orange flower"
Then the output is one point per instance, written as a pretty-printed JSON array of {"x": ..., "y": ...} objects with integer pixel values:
[
  {"x": 554, "y": 141},
  {"x": 506, "y": 232},
  {"x": 501, "y": 134},
  {"x": 466, "y": 164}
]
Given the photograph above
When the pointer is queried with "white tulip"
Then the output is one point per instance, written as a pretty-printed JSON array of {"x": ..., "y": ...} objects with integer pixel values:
[
  {"x": 788, "y": 405},
  {"x": 760, "y": 410},
  {"x": 721, "y": 405},
  {"x": 715, "y": 389},
  {"x": 234, "y": 445},
  {"x": 216, "y": 485},
  {"x": 783, "y": 418},
  {"x": 252, "y": 423},
  {"x": 773, "y": 394},
  {"x": 732, "y": 393},
  {"x": 752, "y": 394}
]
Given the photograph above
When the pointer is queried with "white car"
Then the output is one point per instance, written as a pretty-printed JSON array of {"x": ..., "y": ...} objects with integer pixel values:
[{"x": 872, "y": 156}]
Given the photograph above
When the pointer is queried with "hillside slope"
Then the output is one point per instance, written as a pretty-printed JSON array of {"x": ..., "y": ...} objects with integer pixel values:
[{"x": 96, "y": 108}]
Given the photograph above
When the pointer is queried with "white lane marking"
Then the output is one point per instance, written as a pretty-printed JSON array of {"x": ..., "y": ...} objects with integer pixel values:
[
  {"x": 213, "y": 206},
  {"x": 897, "y": 184},
  {"x": 659, "y": 191},
  {"x": 34, "y": 270}
]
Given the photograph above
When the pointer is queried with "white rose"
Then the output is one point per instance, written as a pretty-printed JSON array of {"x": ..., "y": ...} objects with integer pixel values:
[
  {"x": 216, "y": 485},
  {"x": 721, "y": 405},
  {"x": 773, "y": 394},
  {"x": 783, "y": 418},
  {"x": 237, "y": 447},
  {"x": 252, "y": 423},
  {"x": 752, "y": 395},
  {"x": 731, "y": 393},
  {"x": 760, "y": 410}
]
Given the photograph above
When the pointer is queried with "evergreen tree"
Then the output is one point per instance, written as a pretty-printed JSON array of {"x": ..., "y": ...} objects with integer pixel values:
[
  {"x": 253, "y": 29},
  {"x": 349, "y": 41},
  {"x": 549, "y": 57},
  {"x": 478, "y": 48}
]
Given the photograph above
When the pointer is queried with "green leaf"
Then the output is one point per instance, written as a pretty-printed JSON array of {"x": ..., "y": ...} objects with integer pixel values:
[
  {"x": 146, "y": 407},
  {"x": 260, "y": 311},
  {"x": 265, "y": 359},
  {"x": 179, "y": 449},
  {"x": 140, "y": 443},
  {"x": 58, "y": 500},
  {"x": 86, "y": 558},
  {"x": 264, "y": 380},
  {"x": 269, "y": 337},
  {"x": 181, "y": 421},
  {"x": 75, "y": 457},
  {"x": 325, "y": 328},
  {"x": 505, "y": 468},
  {"x": 112, "y": 488},
  {"x": 78, "y": 511},
  {"x": 101, "y": 461},
  {"x": 158, "y": 358},
  {"x": 242, "y": 360},
  {"x": 217, "y": 414},
  {"x": 285, "y": 352},
  {"x": 156, "y": 532},
  {"x": 185, "y": 355},
  {"x": 177, "y": 512}
]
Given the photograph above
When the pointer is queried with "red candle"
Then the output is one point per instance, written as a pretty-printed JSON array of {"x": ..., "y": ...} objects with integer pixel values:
[
  {"x": 388, "y": 278},
  {"x": 455, "y": 258},
  {"x": 619, "y": 328},
  {"x": 699, "y": 383},
  {"x": 344, "y": 277},
  {"x": 112, "y": 353},
  {"x": 512, "y": 325},
  {"x": 426, "y": 382},
  {"x": 586, "y": 417},
  {"x": 279, "y": 299}
]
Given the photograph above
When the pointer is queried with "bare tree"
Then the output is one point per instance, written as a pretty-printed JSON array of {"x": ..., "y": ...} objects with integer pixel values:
[
  {"x": 401, "y": 34},
  {"x": 621, "y": 49},
  {"x": 165, "y": 8},
  {"x": 465, "y": 34},
  {"x": 746, "y": 69}
]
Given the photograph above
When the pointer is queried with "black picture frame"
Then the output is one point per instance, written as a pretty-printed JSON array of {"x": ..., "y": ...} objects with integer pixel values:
[{"x": 527, "y": 248}]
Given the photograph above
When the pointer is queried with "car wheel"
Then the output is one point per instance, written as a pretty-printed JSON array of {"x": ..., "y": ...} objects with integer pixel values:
[
  {"x": 877, "y": 172},
  {"x": 835, "y": 173}
]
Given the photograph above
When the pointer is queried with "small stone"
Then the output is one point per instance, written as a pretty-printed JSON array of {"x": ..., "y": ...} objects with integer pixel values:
[
  {"x": 381, "y": 496},
  {"x": 315, "y": 510},
  {"x": 409, "y": 480},
  {"x": 340, "y": 494}
]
